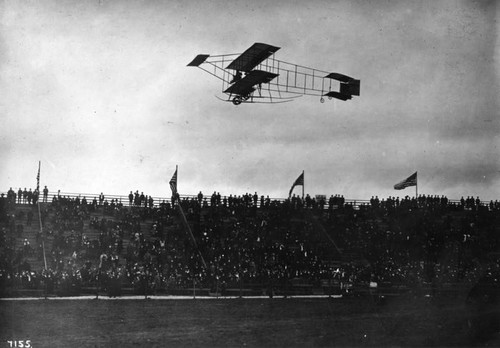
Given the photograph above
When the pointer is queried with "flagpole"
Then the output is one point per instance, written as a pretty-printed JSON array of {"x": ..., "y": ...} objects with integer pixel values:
[
  {"x": 176, "y": 195},
  {"x": 416, "y": 188},
  {"x": 173, "y": 186},
  {"x": 303, "y": 184},
  {"x": 40, "y": 215}
]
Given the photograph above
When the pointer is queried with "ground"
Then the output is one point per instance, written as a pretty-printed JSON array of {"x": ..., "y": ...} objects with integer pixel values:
[{"x": 258, "y": 322}]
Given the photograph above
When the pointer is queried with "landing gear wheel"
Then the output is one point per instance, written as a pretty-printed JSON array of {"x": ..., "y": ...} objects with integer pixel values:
[
  {"x": 237, "y": 100},
  {"x": 322, "y": 100}
]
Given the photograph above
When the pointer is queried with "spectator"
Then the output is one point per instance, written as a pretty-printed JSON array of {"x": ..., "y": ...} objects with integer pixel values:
[
  {"x": 272, "y": 244},
  {"x": 30, "y": 196},
  {"x": 45, "y": 194}
]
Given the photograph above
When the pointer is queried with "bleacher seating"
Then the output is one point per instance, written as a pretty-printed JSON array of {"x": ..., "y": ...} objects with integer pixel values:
[{"x": 242, "y": 245}]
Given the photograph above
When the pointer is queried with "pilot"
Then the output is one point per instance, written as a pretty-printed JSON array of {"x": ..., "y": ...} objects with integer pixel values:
[{"x": 236, "y": 77}]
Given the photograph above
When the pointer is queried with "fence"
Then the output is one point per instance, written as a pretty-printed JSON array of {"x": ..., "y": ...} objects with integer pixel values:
[{"x": 124, "y": 199}]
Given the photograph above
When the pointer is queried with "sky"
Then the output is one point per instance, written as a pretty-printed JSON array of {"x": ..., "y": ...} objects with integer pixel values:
[{"x": 99, "y": 92}]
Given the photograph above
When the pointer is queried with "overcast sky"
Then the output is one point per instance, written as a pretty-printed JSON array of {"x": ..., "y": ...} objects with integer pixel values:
[{"x": 99, "y": 92}]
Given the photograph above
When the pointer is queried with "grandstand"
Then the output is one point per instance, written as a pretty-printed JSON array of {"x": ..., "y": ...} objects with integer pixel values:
[{"x": 245, "y": 245}]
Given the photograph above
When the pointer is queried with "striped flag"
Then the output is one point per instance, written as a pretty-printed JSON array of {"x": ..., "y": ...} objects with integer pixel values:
[
  {"x": 38, "y": 178},
  {"x": 173, "y": 187},
  {"x": 298, "y": 181},
  {"x": 409, "y": 181},
  {"x": 173, "y": 183}
]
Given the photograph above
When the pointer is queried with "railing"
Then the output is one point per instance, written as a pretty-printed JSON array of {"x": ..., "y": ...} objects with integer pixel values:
[{"x": 124, "y": 199}]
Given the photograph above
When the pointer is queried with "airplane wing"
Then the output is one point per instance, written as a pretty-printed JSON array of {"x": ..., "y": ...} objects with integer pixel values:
[
  {"x": 338, "y": 95},
  {"x": 246, "y": 85},
  {"x": 252, "y": 57},
  {"x": 199, "y": 59},
  {"x": 339, "y": 77}
]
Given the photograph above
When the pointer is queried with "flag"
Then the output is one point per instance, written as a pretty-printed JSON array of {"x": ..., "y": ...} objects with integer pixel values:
[
  {"x": 173, "y": 183},
  {"x": 409, "y": 181},
  {"x": 173, "y": 187},
  {"x": 298, "y": 181}
]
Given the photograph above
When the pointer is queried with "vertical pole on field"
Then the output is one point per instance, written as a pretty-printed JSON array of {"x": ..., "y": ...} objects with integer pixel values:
[
  {"x": 97, "y": 279},
  {"x": 239, "y": 274},
  {"x": 194, "y": 287}
]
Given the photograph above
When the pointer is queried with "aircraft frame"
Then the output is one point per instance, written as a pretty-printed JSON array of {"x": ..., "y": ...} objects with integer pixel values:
[{"x": 269, "y": 80}]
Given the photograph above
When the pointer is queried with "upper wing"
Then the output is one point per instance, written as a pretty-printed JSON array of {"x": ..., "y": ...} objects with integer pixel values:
[
  {"x": 252, "y": 57},
  {"x": 339, "y": 77},
  {"x": 245, "y": 85}
]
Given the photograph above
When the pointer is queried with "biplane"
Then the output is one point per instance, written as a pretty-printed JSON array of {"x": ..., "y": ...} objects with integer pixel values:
[{"x": 255, "y": 76}]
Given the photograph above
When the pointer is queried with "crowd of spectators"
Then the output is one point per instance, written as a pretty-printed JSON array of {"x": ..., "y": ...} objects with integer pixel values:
[
  {"x": 246, "y": 240},
  {"x": 22, "y": 196}
]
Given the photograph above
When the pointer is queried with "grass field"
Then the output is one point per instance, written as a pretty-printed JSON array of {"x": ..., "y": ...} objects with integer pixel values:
[{"x": 260, "y": 322}]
